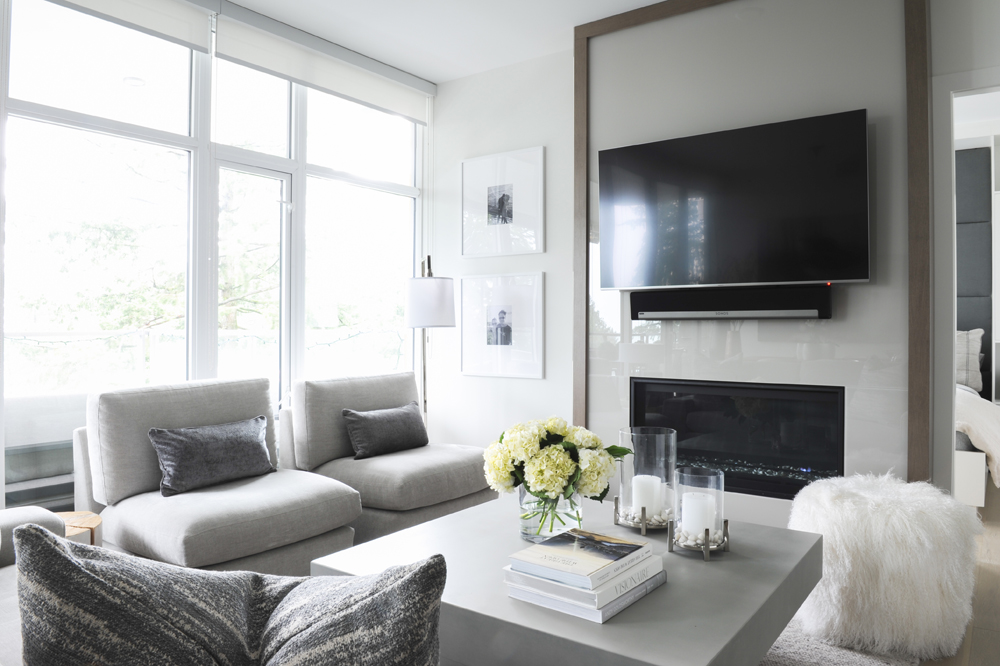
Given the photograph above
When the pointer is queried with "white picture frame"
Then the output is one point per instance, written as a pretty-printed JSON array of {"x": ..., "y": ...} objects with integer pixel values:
[
  {"x": 517, "y": 226},
  {"x": 513, "y": 346}
]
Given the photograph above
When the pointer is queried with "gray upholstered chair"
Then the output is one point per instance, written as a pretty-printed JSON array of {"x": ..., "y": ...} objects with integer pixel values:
[
  {"x": 10, "y": 619},
  {"x": 276, "y": 523},
  {"x": 398, "y": 490}
]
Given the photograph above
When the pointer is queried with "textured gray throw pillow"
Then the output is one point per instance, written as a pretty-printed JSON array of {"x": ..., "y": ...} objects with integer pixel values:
[
  {"x": 85, "y": 605},
  {"x": 382, "y": 431},
  {"x": 967, "y": 346},
  {"x": 207, "y": 455}
]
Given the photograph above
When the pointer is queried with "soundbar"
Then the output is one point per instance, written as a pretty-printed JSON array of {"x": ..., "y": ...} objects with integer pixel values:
[{"x": 770, "y": 302}]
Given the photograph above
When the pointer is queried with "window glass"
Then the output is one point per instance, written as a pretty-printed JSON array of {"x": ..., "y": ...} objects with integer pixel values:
[
  {"x": 251, "y": 109},
  {"x": 358, "y": 140},
  {"x": 359, "y": 253},
  {"x": 67, "y": 59},
  {"x": 94, "y": 290},
  {"x": 249, "y": 276}
]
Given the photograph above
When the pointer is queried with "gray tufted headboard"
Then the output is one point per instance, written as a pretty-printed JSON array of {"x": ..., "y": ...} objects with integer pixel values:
[{"x": 974, "y": 251}]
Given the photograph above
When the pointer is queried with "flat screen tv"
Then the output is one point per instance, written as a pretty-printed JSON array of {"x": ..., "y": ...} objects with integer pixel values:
[{"x": 784, "y": 203}]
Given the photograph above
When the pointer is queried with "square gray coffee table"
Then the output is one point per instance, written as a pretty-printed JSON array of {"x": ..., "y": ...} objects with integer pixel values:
[{"x": 724, "y": 612}]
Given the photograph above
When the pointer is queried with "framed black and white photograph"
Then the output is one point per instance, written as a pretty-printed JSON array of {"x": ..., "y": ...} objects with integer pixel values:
[
  {"x": 503, "y": 203},
  {"x": 503, "y": 325}
]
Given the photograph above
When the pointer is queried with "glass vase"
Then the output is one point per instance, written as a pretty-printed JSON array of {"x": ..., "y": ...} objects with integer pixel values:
[
  {"x": 700, "y": 509},
  {"x": 647, "y": 476},
  {"x": 542, "y": 518}
]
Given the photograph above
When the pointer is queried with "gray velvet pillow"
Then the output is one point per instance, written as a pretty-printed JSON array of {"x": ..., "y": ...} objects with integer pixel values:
[
  {"x": 382, "y": 431},
  {"x": 207, "y": 455}
]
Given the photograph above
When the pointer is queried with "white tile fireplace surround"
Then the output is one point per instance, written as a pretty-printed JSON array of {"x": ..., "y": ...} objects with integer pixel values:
[
  {"x": 826, "y": 353},
  {"x": 679, "y": 77}
]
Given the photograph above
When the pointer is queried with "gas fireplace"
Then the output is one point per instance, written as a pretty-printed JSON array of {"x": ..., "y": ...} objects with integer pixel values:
[{"x": 769, "y": 439}]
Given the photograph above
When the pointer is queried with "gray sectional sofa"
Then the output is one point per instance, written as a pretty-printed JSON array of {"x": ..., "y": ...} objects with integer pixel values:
[
  {"x": 398, "y": 490},
  {"x": 10, "y": 619},
  {"x": 276, "y": 523}
]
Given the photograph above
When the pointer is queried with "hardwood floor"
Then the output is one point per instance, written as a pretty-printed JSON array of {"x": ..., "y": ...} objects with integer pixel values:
[{"x": 981, "y": 646}]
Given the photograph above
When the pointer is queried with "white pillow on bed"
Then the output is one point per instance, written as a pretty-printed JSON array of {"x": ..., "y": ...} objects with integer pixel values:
[{"x": 967, "y": 346}]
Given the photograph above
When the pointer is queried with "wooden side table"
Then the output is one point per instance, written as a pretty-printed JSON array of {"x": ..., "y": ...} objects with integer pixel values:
[{"x": 82, "y": 527}]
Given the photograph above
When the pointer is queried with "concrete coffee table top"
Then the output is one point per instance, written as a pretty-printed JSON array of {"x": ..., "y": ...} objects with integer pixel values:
[{"x": 727, "y": 611}]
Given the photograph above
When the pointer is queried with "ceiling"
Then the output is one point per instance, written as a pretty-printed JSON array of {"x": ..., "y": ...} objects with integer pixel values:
[{"x": 442, "y": 40}]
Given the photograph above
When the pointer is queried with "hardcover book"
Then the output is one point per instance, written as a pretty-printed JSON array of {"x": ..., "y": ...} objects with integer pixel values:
[
  {"x": 600, "y": 596},
  {"x": 580, "y": 558},
  {"x": 601, "y": 615}
]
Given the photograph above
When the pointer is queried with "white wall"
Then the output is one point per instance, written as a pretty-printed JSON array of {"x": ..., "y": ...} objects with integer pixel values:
[
  {"x": 747, "y": 63},
  {"x": 524, "y": 105}
]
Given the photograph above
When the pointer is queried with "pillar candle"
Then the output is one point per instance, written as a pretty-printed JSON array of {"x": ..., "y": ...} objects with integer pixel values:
[
  {"x": 646, "y": 492},
  {"x": 698, "y": 513}
]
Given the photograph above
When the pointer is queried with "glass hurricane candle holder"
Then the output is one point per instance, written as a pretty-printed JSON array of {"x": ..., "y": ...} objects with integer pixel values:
[
  {"x": 646, "y": 496},
  {"x": 700, "y": 513}
]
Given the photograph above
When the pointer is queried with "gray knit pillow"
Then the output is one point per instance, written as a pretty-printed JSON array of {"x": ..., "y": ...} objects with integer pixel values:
[
  {"x": 382, "y": 431},
  {"x": 208, "y": 455},
  {"x": 82, "y": 605}
]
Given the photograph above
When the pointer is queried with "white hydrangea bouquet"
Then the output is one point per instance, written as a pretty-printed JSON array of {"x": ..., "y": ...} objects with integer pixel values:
[{"x": 552, "y": 461}]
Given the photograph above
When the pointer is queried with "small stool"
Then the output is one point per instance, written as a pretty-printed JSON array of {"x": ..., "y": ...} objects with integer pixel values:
[
  {"x": 83, "y": 527},
  {"x": 898, "y": 565}
]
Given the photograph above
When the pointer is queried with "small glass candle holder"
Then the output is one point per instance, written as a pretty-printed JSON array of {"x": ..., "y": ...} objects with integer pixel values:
[
  {"x": 646, "y": 496},
  {"x": 700, "y": 514}
]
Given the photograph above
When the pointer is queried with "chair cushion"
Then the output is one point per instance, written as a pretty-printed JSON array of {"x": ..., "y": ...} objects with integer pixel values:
[
  {"x": 81, "y": 604},
  {"x": 10, "y": 619},
  {"x": 204, "y": 456},
  {"x": 230, "y": 520},
  {"x": 121, "y": 459},
  {"x": 11, "y": 518},
  {"x": 383, "y": 431},
  {"x": 412, "y": 479},
  {"x": 320, "y": 431}
]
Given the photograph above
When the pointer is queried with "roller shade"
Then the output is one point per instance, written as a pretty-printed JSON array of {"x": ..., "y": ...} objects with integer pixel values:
[
  {"x": 247, "y": 45},
  {"x": 174, "y": 20}
]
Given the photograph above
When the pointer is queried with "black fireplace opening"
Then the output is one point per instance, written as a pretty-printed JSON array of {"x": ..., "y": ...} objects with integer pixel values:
[{"x": 769, "y": 439}]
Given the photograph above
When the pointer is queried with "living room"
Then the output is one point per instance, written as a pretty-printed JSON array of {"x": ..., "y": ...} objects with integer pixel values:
[{"x": 465, "y": 91}]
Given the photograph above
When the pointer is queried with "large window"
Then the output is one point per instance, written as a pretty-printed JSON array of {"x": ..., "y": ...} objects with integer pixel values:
[{"x": 170, "y": 216}]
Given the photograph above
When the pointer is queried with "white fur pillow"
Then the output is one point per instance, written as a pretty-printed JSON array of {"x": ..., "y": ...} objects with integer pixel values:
[{"x": 898, "y": 565}]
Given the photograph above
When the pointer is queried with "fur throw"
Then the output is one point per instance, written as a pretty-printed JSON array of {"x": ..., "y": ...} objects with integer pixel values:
[{"x": 898, "y": 565}]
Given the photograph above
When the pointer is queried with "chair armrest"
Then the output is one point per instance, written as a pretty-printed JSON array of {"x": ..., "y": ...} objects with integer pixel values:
[
  {"x": 83, "y": 478},
  {"x": 11, "y": 518},
  {"x": 286, "y": 439}
]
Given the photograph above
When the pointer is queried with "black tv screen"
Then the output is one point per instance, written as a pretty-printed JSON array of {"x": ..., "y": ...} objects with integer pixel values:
[{"x": 773, "y": 204}]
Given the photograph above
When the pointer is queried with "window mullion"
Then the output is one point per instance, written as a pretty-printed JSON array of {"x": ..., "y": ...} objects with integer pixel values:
[
  {"x": 4, "y": 72},
  {"x": 203, "y": 329},
  {"x": 294, "y": 313}
]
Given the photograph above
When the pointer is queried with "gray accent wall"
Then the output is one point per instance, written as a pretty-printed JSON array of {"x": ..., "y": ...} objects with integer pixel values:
[{"x": 974, "y": 251}]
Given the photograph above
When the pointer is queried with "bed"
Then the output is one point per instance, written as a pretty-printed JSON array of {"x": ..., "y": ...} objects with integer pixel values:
[{"x": 977, "y": 445}]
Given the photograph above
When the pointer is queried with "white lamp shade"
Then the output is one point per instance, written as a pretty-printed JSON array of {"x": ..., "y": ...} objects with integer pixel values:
[{"x": 430, "y": 302}]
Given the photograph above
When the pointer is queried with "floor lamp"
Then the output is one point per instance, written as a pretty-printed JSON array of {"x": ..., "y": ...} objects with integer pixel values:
[{"x": 430, "y": 303}]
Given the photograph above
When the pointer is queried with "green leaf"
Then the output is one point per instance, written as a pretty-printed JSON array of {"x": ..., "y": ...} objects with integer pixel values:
[
  {"x": 549, "y": 440},
  {"x": 604, "y": 493},
  {"x": 573, "y": 480},
  {"x": 501, "y": 438},
  {"x": 618, "y": 452},
  {"x": 572, "y": 450}
]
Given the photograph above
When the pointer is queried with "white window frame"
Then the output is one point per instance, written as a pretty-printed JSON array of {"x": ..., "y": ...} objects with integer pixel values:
[{"x": 205, "y": 159}]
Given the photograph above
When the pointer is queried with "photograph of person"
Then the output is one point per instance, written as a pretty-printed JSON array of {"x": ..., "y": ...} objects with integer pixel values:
[
  {"x": 498, "y": 330},
  {"x": 500, "y": 204}
]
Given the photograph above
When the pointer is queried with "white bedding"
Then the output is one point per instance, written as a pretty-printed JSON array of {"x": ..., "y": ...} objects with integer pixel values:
[{"x": 980, "y": 420}]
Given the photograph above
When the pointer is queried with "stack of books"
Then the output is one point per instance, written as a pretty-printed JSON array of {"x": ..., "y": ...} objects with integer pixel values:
[{"x": 588, "y": 575}]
